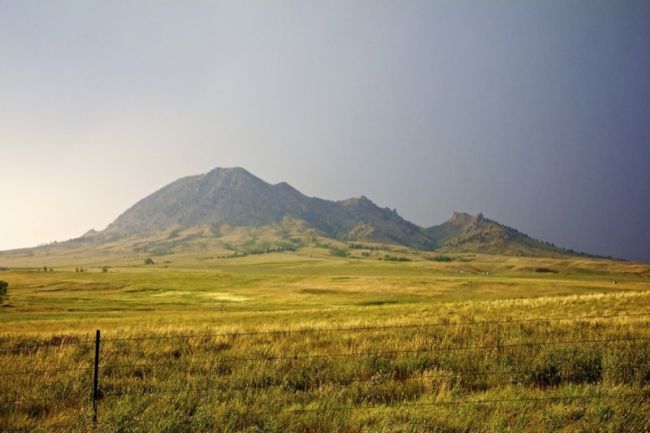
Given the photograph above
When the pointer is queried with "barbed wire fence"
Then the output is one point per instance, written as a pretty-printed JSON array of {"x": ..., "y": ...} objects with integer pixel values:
[{"x": 97, "y": 393}]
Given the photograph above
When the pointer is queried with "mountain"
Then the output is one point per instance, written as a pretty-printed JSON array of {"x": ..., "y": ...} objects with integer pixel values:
[
  {"x": 229, "y": 212},
  {"x": 235, "y": 197},
  {"x": 467, "y": 233}
]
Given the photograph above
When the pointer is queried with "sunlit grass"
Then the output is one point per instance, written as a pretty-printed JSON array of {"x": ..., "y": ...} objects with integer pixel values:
[{"x": 403, "y": 376}]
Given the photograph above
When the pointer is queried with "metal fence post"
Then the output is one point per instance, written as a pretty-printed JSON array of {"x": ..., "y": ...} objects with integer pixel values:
[{"x": 96, "y": 378}]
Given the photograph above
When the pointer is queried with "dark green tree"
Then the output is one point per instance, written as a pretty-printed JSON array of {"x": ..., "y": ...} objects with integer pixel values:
[{"x": 3, "y": 290}]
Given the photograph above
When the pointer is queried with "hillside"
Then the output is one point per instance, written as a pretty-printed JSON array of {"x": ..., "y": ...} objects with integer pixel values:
[
  {"x": 229, "y": 211},
  {"x": 467, "y": 233},
  {"x": 235, "y": 197}
]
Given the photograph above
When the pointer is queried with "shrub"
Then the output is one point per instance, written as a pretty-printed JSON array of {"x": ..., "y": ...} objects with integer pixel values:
[
  {"x": 441, "y": 259},
  {"x": 340, "y": 252},
  {"x": 545, "y": 270},
  {"x": 396, "y": 259},
  {"x": 3, "y": 289}
]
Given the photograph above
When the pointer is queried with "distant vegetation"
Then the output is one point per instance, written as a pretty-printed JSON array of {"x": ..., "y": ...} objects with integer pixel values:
[
  {"x": 390, "y": 258},
  {"x": 441, "y": 259},
  {"x": 340, "y": 252},
  {"x": 545, "y": 270},
  {"x": 253, "y": 246}
]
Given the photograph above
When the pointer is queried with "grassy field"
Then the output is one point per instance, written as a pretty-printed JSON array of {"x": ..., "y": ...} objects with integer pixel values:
[{"x": 308, "y": 342}]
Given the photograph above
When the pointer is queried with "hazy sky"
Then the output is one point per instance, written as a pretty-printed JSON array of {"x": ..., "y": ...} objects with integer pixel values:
[{"x": 536, "y": 113}]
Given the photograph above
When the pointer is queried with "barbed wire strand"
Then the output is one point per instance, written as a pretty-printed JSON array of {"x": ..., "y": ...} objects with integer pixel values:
[
  {"x": 41, "y": 345},
  {"x": 30, "y": 429},
  {"x": 378, "y": 353},
  {"x": 470, "y": 402},
  {"x": 43, "y": 371},
  {"x": 49, "y": 345},
  {"x": 371, "y": 328},
  {"x": 328, "y": 355},
  {"x": 350, "y": 381},
  {"x": 392, "y": 406},
  {"x": 33, "y": 400}
]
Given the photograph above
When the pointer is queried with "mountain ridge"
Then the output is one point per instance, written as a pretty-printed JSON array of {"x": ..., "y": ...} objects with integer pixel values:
[{"x": 234, "y": 197}]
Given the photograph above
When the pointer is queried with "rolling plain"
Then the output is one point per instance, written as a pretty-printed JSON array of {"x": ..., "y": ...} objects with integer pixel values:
[{"x": 306, "y": 341}]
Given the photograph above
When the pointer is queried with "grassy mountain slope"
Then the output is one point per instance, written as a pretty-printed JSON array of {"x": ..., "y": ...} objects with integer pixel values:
[
  {"x": 235, "y": 197},
  {"x": 467, "y": 233}
]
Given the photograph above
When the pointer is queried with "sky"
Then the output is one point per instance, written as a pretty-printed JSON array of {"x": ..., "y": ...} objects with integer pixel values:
[{"x": 535, "y": 113}]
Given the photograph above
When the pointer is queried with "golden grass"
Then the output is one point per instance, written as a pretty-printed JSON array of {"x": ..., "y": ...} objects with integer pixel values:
[{"x": 167, "y": 367}]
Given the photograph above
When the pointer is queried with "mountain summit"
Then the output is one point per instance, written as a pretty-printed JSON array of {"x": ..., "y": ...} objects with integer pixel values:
[{"x": 233, "y": 197}]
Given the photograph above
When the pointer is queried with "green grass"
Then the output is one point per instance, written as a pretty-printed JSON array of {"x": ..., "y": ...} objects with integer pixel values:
[{"x": 206, "y": 382}]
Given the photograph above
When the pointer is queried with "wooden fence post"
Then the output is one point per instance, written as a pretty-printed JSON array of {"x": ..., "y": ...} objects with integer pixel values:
[{"x": 96, "y": 378}]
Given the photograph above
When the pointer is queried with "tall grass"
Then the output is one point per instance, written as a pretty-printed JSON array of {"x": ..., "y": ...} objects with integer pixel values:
[{"x": 482, "y": 368}]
